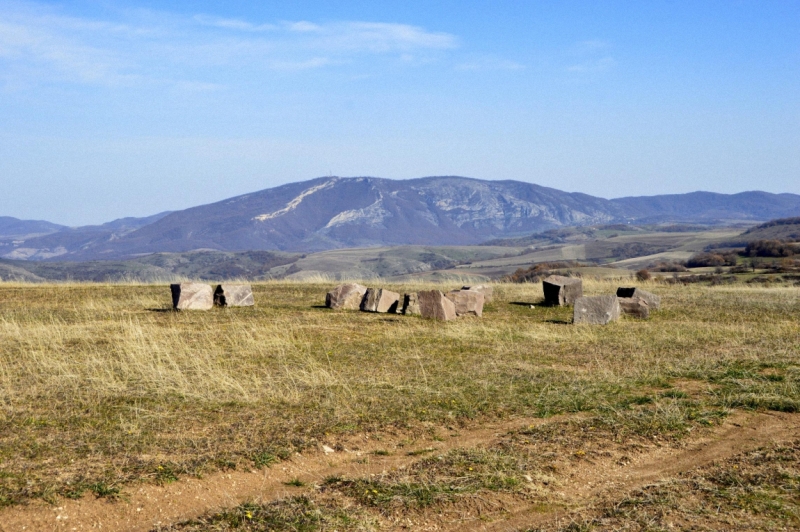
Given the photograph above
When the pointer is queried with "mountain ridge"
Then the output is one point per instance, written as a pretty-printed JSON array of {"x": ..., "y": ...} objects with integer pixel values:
[{"x": 341, "y": 212}]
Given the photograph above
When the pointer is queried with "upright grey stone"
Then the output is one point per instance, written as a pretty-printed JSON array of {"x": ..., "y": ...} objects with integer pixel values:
[
  {"x": 234, "y": 295},
  {"x": 346, "y": 296},
  {"x": 410, "y": 305},
  {"x": 380, "y": 300},
  {"x": 192, "y": 296},
  {"x": 653, "y": 301},
  {"x": 434, "y": 305},
  {"x": 596, "y": 310},
  {"x": 560, "y": 290},
  {"x": 634, "y": 306},
  {"x": 485, "y": 289},
  {"x": 467, "y": 302}
]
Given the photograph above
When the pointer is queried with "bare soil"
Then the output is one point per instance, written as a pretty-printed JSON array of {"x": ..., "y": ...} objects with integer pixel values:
[{"x": 580, "y": 483}]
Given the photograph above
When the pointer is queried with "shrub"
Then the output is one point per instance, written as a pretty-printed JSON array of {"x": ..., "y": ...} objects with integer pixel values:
[
  {"x": 769, "y": 248},
  {"x": 643, "y": 275},
  {"x": 701, "y": 260},
  {"x": 537, "y": 272},
  {"x": 667, "y": 266}
]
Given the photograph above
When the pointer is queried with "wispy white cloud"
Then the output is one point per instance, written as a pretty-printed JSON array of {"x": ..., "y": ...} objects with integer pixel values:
[
  {"x": 65, "y": 58},
  {"x": 302, "y": 27},
  {"x": 377, "y": 37},
  {"x": 233, "y": 24},
  {"x": 42, "y": 44}
]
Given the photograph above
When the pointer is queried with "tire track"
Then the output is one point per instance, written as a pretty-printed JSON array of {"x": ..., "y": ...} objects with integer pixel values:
[
  {"x": 145, "y": 506},
  {"x": 740, "y": 433}
]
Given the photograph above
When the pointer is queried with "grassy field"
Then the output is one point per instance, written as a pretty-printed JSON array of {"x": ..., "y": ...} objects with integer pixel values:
[{"x": 103, "y": 387}]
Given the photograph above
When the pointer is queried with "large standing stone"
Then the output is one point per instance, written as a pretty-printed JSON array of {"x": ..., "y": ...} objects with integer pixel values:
[
  {"x": 380, "y": 300},
  {"x": 410, "y": 305},
  {"x": 485, "y": 289},
  {"x": 467, "y": 302},
  {"x": 234, "y": 295},
  {"x": 596, "y": 310},
  {"x": 192, "y": 296},
  {"x": 345, "y": 297},
  {"x": 434, "y": 305},
  {"x": 634, "y": 306},
  {"x": 560, "y": 290},
  {"x": 653, "y": 301}
]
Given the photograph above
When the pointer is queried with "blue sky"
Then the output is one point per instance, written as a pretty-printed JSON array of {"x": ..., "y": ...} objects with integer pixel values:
[{"x": 111, "y": 109}]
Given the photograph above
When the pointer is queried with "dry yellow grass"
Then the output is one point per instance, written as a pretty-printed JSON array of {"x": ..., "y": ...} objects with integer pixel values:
[{"x": 102, "y": 384}]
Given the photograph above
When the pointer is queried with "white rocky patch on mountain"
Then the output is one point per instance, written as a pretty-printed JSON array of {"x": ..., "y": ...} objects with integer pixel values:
[
  {"x": 479, "y": 205},
  {"x": 372, "y": 215},
  {"x": 292, "y": 205}
]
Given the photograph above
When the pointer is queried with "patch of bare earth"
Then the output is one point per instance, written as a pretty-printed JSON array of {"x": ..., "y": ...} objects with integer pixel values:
[
  {"x": 580, "y": 471},
  {"x": 584, "y": 488},
  {"x": 148, "y": 506}
]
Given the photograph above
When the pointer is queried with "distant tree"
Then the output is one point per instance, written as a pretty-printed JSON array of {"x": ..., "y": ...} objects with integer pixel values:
[
  {"x": 700, "y": 260},
  {"x": 769, "y": 248},
  {"x": 539, "y": 271}
]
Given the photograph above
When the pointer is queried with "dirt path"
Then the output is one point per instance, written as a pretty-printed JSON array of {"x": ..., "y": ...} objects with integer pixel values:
[
  {"x": 146, "y": 507},
  {"x": 740, "y": 433}
]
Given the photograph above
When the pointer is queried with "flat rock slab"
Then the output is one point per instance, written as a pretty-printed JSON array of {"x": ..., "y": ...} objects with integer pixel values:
[
  {"x": 346, "y": 296},
  {"x": 633, "y": 306},
  {"x": 596, "y": 310},
  {"x": 560, "y": 290},
  {"x": 653, "y": 301},
  {"x": 234, "y": 295},
  {"x": 380, "y": 300},
  {"x": 434, "y": 305},
  {"x": 485, "y": 289},
  {"x": 467, "y": 302},
  {"x": 192, "y": 296},
  {"x": 410, "y": 305}
]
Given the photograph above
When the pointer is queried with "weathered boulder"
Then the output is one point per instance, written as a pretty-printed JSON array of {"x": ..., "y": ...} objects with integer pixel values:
[
  {"x": 434, "y": 305},
  {"x": 234, "y": 295},
  {"x": 634, "y": 306},
  {"x": 192, "y": 296},
  {"x": 410, "y": 305},
  {"x": 380, "y": 300},
  {"x": 485, "y": 289},
  {"x": 345, "y": 297},
  {"x": 560, "y": 290},
  {"x": 653, "y": 301},
  {"x": 596, "y": 310},
  {"x": 467, "y": 302}
]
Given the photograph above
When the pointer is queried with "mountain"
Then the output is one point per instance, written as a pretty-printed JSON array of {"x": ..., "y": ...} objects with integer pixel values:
[
  {"x": 710, "y": 207},
  {"x": 61, "y": 240},
  {"x": 333, "y": 212},
  {"x": 15, "y": 228}
]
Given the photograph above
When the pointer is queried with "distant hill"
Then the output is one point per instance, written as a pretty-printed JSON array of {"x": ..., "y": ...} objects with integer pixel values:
[
  {"x": 710, "y": 207},
  {"x": 63, "y": 240},
  {"x": 16, "y": 228},
  {"x": 333, "y": 212},
  {"x": 786, "y": 229}
]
